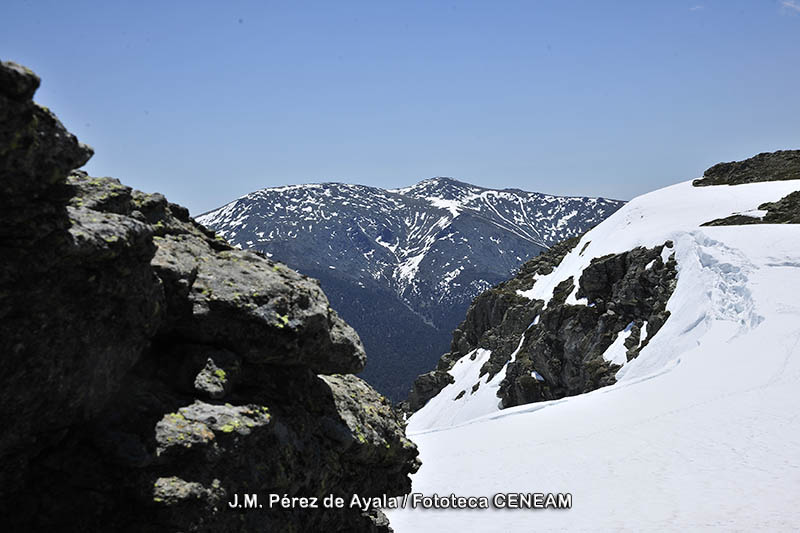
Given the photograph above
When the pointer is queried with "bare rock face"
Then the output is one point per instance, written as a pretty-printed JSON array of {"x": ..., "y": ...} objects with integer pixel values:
[
  {"x": 767, "y": 166},
  {"x": 624, "y": 292},
  {"x": 562, "y": 350},
  {"x": 494, "y": 318},
  {"x": 150, "y": 371}
]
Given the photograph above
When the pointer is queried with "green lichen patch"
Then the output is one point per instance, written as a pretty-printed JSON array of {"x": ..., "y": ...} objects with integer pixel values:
[
  {"x": 283, "y": 320},
  {"x": 174, "y": 490}
]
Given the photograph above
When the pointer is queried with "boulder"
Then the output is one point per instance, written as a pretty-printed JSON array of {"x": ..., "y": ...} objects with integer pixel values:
[{"x": 151, "y": 372}]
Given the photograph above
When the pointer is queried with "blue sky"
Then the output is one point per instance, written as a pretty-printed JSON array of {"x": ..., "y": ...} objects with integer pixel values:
[{"x": 206, "y": 101}]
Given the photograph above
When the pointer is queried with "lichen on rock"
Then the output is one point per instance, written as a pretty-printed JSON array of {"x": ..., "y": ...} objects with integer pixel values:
[{"x": 150, "y": 371}]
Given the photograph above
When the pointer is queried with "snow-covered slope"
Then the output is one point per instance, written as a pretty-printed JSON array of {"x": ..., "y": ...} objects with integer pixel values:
[
  {"x": 701, "y": 430},
  {"x": 424, "y": 252}
]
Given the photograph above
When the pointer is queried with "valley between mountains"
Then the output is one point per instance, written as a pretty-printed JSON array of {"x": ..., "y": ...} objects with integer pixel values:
[
  {"x": 643, "y": 358},
  {"x": 403, "y": 265}
]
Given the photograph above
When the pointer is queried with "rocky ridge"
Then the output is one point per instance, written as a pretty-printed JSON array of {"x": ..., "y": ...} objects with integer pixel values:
[
  {"x": 150, "y": 371},
  {"x": 766, "y": 166},
  {"x": 403, "y": 265},
  {"x": 563, "y": 342}
]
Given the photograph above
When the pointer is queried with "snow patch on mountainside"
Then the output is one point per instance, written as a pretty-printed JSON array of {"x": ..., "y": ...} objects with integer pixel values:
[
  {"x": 458, "y": 402},
  {"x": 699, "y": 432},
  {"x": 616, "y": 352},
  {"x": 451, "y": 205}
]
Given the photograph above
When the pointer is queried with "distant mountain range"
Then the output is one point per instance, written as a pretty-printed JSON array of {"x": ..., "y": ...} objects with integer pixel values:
[{"x": 403, "y": 265}]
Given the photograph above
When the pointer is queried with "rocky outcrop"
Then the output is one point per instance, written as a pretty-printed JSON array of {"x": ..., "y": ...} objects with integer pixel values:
[
  {"x": 403, "y": 265},
  {"x": 563, "y": 352},
  {"x": 150, "y": 372},
  {"x": 494, "y": 317},
  {"x": 784, "y": 211},
  {"x": 767, "y": 166},
  {"x": 560, "y": 346}
]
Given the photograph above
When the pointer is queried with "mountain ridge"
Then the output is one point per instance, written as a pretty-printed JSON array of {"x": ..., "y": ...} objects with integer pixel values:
[{"x": 426, "y": 250}]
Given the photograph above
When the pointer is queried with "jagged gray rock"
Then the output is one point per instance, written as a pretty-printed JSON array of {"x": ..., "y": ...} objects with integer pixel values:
[
  {"x": 495, "y": 316},
  {"x": 150, "y": 371},
  {"x": 766, "y": 166},
  {"x": 564, "y": 346}
]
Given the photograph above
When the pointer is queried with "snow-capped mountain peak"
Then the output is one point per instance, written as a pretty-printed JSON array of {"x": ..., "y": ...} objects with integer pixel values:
[{"x": 434, "y": 245}]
